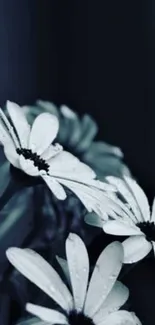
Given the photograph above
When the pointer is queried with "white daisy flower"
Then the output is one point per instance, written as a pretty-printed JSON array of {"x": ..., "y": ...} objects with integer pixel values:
[
  {"x": 30, "y": 150},
  {"x": 104, "y": 158},
  {"x": 93, "y": 304},
  {"x": 134, "y": 220}
]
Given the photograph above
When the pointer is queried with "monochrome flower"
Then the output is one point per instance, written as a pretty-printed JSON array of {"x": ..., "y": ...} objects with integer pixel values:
[
  {"x": 134, "y": 220},
  {"x": 93, "y": 304},
  {"x": 30, "y": 149},
  {"x": 104, "y": 158}
]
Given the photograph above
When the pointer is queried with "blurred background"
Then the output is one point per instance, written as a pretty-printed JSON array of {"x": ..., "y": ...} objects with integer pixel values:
[{"x": 96, "y": 57}]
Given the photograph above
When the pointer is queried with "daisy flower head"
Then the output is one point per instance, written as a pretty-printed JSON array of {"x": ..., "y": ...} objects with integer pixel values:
[
  {"x": 104, "y": 158},
  {"x": 134, "y": 219},
  {"x": 93, "y": 303},
  {"x": 31, "y": 150}
]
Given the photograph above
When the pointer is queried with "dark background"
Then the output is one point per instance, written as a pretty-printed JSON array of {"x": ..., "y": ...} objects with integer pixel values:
[{"x": 97, "y": 57}]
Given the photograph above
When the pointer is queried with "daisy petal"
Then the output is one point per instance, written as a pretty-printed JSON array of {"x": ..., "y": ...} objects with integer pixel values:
[
  {"x": 43, "y": 132},
  {"x": 125, "y": 191},
  {"x": 104, "y": 276},
  {"x": 121, "y": 228},
  {"x": 51, "y": 151},
  {"x": 153, "y": 246},
  {"x": 140, "y": 197},
  {"x": 135, "y": 249},
  {"x": 153, "y": 212},
  {"x": 88, "y": 131},
  {"x": 55, "y": 187},
  {"x": 92, "y": 199},
  {"x": 33, "y": 321},
  {"x": 67, "y": 166},
  {"x": 121, "y": 317},
  {"x": 41, "y": 273},
  {"x": 46, "y": 314},
  {"x": 78, "y": 264},
  {"x": 75, "y": 126},
  {"x": 93, "y": 219},
  {"x": 115, "y": 299},
  {"x": 48, "y": 106},
  {"x": 20, "y": 123},
  {"x": 9, "y": 146},
  {"x": 63, "y": 263}
]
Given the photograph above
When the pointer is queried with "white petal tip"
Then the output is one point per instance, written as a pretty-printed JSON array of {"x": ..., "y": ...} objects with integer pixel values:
[{"x": 11, "y": 253}]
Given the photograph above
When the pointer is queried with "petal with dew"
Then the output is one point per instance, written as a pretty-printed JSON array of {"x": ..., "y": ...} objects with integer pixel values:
[
  {"x": 41, "y": 273},
  {"x": 20, "y": 122},
  {"x": 121, "y": 228},
  {"x": 78, "y": 263},
  {"x": 48, "y": 315},
  {"x": 103, "y": 278},
  {"x": 135, "y": 249},
  {"x": 121, "y": 317},
  {"x": 55, "y": 187},
  {"x": 115, "y": 299},
  {"x": 43, "y": 132}
]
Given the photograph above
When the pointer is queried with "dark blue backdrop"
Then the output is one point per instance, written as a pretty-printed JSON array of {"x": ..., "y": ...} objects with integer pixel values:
[{"x": 98, "y": 57}]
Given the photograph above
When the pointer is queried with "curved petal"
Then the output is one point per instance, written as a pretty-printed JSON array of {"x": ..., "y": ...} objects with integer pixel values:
[
  {"x": 51, "y": 151},
  {"x": 121, "y": 228},
  {"x": 93, "y": 219},
  {"x": 89, "y": 129},
  {"x": 64, "y": 265},
  {"x": 78, "y": 264},
  {"x": 41, "y": 273},
  {"x": 20, "y": 123},
  {"x": 93, "y": 199},
  {"x": 48, "y": 315},
  {"x": 135, "y": 249},
  {"x": 129, "y": 196},
  {"x": 121, "y": 317},
  {"x": 55, "y": 187},
  {"x": 32, "y": 321},
  {"x": 115, "y": 299},
  {"x": 153, "y": 211},
  {"x": 11, "y": 154},
  {"x": 9, "y": 146},
  {"x": 140, "y": 197},
  {"x": 43, "y": 132},
  {"x": 103, "y": 278},
  {"x": 66, "y": 165}
]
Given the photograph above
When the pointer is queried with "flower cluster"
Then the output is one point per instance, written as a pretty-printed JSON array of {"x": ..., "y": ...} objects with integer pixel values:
[{"x": 53, "y": 172}]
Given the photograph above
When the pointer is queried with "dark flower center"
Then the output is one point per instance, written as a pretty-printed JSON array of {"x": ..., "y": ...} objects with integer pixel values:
[
  {"x": 75, "y": 318},
  {"x": 38, "y": 162},
  {"x": 148, "y": 228}
]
